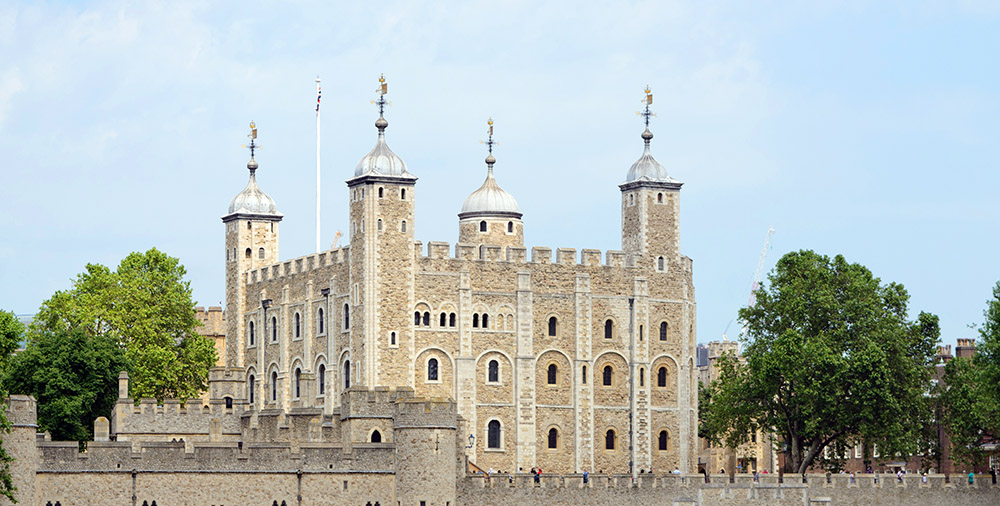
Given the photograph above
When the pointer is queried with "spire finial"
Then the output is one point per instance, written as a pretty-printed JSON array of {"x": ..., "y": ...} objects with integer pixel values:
[
  {"x": 252, "y": 164},
  {"x": 489, "y": 145},
  {"x": 382, "y": 90},
  {"x": 646, "y": 113}
]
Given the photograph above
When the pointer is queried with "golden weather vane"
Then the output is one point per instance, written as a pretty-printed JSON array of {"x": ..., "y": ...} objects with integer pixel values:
[
  {"x": 382, "y": 90},
  {"x": 253, "y": 139},
  {"x": 489, "y": 141},
  {"x": 647, "y": 101}
]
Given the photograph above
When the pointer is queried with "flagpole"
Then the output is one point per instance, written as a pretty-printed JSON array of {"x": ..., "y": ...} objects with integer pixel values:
[{"x": 317, "y": 164}]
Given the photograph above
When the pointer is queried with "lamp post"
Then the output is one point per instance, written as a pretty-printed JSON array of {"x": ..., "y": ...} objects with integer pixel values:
[{"x": 472, "y": 441}]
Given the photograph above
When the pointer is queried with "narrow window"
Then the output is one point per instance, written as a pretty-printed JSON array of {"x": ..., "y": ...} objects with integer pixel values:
[
  {"x": 493, "y": 434},
  {"x": 274, "y": 386},
  {"x": 553, "y": 325},
  {"x": 663, "y": 331},
  {"x": 376, "y": 435},
  {"x": 451, "y": 320},
  {"x": 475, "y": 320},
  {"x": 432, "y": 370},
  {"x": 510, "y": 227},
  {"x": 379, "y": 192},
  {"x": 229, "y": 403},
  {"x": 608, "y": 371},
  {"x": 392, "y": 338},
  {"x": 347, "y": 317},
  {"x": 380, "y": 224},
  {"x": 609, "y": 328},
  {"x": 274, "y": 329},
  {"x": 553, "y": 438},
  {"x": 322, "y": 379},
  {"x": 609, "y": 440},
  {"x": 347, "y": 374},
  {"x": 642, "y": 377},
  {"x": 640, "y": 332},
  {"x": 494, "y": 371},
  {"x": 248, "y": 226},
  {"x": 298, "y": 383},
  {"x": 248, "y": 253},
  {"x": 663, "y": 440},
  {"x": 402, "y": 227},
  {"x": 416, "y": 318},
  {"x": 486, "y": 321},
  {"x": 319, "y": 318},
  {"x": 260, "y": 253},
  {"x": 661, "y": 377},
  {"x": 298, "y": 325},
  {"x": 584, "y": 375},
  {"x": 402, "y": 194},
  {"x": 659, "y": 198},
  {"x": 443, "y": 319},
  {"x": 552, "y": 373},
  {"x": 251, "y": 385},
  {"x": 251, "y": 334},
  {"x": 659, "y": 264},
  {"x": 427, "y": 319},
  {"x": 482, "y": 226}
]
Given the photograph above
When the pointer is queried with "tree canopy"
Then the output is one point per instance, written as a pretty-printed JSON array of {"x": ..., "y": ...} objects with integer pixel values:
[
  {"x": 11, "y": 331},
  {"x": 830, "y": 359},
  {"x": 970, "y": 393},
  {"x": 145, "y": 307}
]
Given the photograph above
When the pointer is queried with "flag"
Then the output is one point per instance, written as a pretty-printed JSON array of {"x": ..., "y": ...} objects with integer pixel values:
[{"x": 319, "y": 94}]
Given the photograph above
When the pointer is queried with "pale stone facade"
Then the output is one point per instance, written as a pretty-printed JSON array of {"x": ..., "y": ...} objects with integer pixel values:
[{"x": 514, "y": 337}]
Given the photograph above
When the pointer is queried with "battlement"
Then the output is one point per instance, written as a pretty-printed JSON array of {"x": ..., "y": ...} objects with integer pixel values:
[
  {"x": 379, "y": 402},
  {"x": 438, "y": 250},
  {"x": 21, "y": 411},
  {"x": 718, "y": 348},
  {"x": 300, "y": 265}
]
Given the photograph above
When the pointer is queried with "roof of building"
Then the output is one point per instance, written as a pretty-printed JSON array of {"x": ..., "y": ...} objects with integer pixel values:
[
  {"x": 646, "y": 168},
  {"x": 253, "y": 200}
]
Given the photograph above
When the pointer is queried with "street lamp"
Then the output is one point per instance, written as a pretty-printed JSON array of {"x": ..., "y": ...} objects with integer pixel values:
[{"x": 472, "y": 441}]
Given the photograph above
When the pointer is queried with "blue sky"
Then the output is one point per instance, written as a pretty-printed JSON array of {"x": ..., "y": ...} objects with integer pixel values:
[{"x": 862, "y": 128}]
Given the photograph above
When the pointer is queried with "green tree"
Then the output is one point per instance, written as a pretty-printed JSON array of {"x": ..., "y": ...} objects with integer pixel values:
[
  {"x": 73, "y": 376},
  {"x": 11, "y": 332},
  {"x": 145, "y": 306},
  {"x": 970, "y": 395},
  {"x": 829, "y": 360}
]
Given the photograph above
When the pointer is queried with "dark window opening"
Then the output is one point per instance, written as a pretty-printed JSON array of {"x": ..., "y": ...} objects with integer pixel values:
[
  {"x": 486, "y": 320},
  {"x": 416, "y": 318},
  {"x": 553, "y": 326},
  {"x": 661, "y": 377},
  {"x": 584, "y": 375},
  {"x": 251, "y": 385},
  {"x": 347, "y": 317},
  {"x": 640, "y": 332},
  {"x": 376, "y": 437},
  {"x": 451, "y": 320},
  {"x": 380, "y": 192},
  {"x": 251, "y": 334},
  {"x": 298, "y": 325},
  {"x": 427, "y": 319},
  {"x": 493, "y": 434},
  {"x": 322, "y": 379},
  {"x": 319, "y": 317},
  {"x": 510, "y": 227},
  {"x": 298, "y": 382},
  {"x": 608, "y": 371},
  {"x": 443, "y": 319},
  {"x": 663, "y": 331},
  {"x": 432, "y": 370},
  {"x": 482, "y": 226},
  {"x": 248, "y": 253},
  {"x": 274, "y": 329},
  {"x": 229, "y": 403},
  {"x": 553, "y": 438},
  {"x": 642, "y": 377},
  {"x": 609, "y": 329},
  {"x": 392, "y": 338},
  {"x": 494, "y": 371},
  {"x": 274, "y": 386},
  {"x": 609, "y": 440},
  {"x": 475, "y": 321},
  {"x": 347, "y": 374},
  {"x": 552, "y": 374},
  {"x": 663, "y": 440}
]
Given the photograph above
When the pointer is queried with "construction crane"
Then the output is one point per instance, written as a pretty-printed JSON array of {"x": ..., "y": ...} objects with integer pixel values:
[
  {"x": 755, "y": 281},
  {"x": 336, "y": 240}
]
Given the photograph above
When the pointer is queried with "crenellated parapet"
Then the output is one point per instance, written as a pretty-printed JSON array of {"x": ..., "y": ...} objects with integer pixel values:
[{"x": 301, "y": 265}]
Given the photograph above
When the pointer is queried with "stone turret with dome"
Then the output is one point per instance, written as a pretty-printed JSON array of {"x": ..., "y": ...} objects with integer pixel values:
[
  {"x": 252, "y": 201},
  {"x": 381, "y": 161},
  {"x": 490, "y": 216}
]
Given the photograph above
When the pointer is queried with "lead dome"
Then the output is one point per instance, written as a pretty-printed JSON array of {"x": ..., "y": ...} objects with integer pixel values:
[{"x": 253, "y": 200}]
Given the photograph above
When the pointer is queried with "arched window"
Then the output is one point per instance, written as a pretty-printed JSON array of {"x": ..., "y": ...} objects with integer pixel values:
[
  {"x": 609, "y": 440},
  {"x": 376, "y": 436},
  {"x": 663, "y": 331},
  {"x": 510, "y": 227},
  {"x": 274, "y": 329},
  {"x": 553, "y": 373},
  {"x": 584, "y": 375},
  {"x": 229, "y": 402},
  {"x": 274, "y": 386},
  {"x": 642, "y": 377},
  {"x": 251, "y": 334},
  {"x": 347, "y": 375},
  {"x": 248, "y": 252},
  {"x": 663, "y": 441},
  {"x": 260, "y": 253},
  {"x": 553, "y": 326},
  {"x": 427, "y": 319},
  {"x": 432, "y": 369},
  {"x": 298, "y": 325},
  {"x": 659, "y": 264},
  {"x": 379, "y": 224},
  {"x": 444, "y": 319},
  {"x": 609, "y": 329},
  {"x": 494, "y": 372},
  {"x": 392, "y": 338},
  {"x": 482, "y": 226},
  {"x": 553, "y": 438},
  {"x": 298, "y": 382},
  {"x": 379, "y": 192},
  {"x": 661, "y": 377},
  {"x": 319, "y": 319},
  {"x": 402, "y": 226},
  {"x": 475, "y": 320},
  {"x": 608, "y": 372},
  {"x": 251, "y": 386},
  {"x": 322, "y": 379},
  {"x": 486, "y": 321},
  {"x": 493, "y": 434},
  {"x": 402, "y": 194},
  {"x": 451, "y": 320},
  {"x": 416, "y": 318},
  {"x": 659, "y": 198},
  {"x": 347, "y": 317}
]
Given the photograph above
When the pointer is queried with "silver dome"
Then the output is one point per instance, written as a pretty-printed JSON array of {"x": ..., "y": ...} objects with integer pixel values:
[
  {"x": 381, "y": 160},
  {"x": 253, "y": 200},
  {"x": 490, "y": 199},
  {"x": 646, "y": 168}
]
